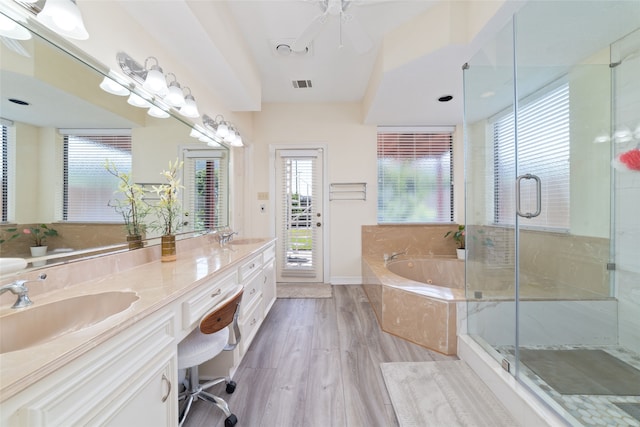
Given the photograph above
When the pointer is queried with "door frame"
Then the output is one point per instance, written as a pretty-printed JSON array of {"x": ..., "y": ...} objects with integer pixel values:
[{"x": 325, "y": 196}]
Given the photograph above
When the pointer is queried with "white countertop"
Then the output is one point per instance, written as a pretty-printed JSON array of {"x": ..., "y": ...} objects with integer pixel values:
[{"x": 157, "y": 285}]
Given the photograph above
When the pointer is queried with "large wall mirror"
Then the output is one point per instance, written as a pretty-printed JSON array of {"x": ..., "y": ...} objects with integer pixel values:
[{"x": 49, "y": 95}]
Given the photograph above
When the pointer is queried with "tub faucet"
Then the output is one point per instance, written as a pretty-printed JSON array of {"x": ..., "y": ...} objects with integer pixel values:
[
  {"x": 394, "y": 255},
  {"x": 20, "y": 289}
]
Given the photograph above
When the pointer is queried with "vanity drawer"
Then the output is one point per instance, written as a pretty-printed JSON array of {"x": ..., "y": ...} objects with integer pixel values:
[
  {"x": 252, "y": 291},
  {"x": 269, "y": 253},
  {"x": 249, "y": 323},
  {"x": 211, "y": 294},
  {"x": 250, "y": 267}
]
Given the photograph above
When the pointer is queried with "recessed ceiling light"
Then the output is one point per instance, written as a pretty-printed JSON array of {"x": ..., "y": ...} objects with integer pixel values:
[
  {"x": 18, "y": 101},
  {"x": 487, "y": 94},
  {"x": 445, "y": 98}
]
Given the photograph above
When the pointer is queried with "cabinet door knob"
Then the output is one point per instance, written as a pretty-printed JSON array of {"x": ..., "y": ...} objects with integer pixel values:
[{"x": 166, "y": 380}]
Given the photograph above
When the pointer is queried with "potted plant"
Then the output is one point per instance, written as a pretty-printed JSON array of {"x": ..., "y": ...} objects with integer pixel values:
[
  {"x": 39, "y": 235},
  {"x": 168, "y": 210},
  {"x": 459, "y": 237},
  {"x": 131, "y": 205}
]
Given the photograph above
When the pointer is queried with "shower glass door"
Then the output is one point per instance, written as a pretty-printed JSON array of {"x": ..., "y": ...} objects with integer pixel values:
[
  {"x": 550, "y": 105},
  {"x": 491, "y": 246}
]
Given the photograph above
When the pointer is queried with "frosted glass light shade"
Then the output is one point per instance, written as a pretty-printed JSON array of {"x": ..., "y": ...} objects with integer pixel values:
[
  {"x": 190, "y": 109},
  {"x": 63, "y": 17},
  {"x": 175, "y": 97},
  {"x": 158, "y": 112},
  {"x": 223, "y": 130},
  {"x": 138, "y": 101},
  {"x": 155, "y": 81},
  {"x": 113, "y": 88},
  {"x": 237, "y": 142}
]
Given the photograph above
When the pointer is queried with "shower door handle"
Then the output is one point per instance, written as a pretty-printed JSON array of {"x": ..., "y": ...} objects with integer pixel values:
[{"x": 538, "y": 195}]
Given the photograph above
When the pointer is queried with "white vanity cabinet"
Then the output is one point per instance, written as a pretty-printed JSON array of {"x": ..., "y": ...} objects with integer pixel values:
[
  {"x": 128, "y": 380},
  {"x": 257, "y": 275}
]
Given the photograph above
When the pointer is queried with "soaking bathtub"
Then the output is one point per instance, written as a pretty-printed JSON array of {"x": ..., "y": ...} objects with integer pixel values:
[{"x": 417, "y": 298}]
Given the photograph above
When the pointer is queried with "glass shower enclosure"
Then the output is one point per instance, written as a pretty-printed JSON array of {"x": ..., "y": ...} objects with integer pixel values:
[{"x": 552, "y": 164}]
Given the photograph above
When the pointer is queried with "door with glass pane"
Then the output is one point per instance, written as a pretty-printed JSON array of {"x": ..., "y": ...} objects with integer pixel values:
[
  {"x": 299, "y": 215},
  {"x": 205, "y": 178}
]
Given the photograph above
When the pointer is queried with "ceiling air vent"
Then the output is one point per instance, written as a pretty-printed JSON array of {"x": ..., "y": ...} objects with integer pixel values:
[{"x": 301, "y": 84}]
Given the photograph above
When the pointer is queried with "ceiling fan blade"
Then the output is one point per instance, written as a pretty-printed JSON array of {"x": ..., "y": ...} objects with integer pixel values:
[
  {"x": 310, "y": 33},
  {"x": 358, "y": 37}
]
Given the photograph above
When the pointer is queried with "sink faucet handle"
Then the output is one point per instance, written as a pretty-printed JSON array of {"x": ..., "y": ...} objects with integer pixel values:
[{"x": 40, "y": 278}]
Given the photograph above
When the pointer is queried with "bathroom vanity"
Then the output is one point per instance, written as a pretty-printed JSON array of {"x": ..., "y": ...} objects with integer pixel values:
[{"x": 122, "y": 369}]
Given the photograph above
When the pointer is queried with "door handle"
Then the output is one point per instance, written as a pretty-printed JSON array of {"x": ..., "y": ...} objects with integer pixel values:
[
  {"x": 318, "y": 224},
  {"x": 538, "y": 196}
]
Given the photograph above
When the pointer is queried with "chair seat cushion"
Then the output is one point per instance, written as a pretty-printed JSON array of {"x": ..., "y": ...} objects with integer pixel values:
[{"x": 197, "y": 347}]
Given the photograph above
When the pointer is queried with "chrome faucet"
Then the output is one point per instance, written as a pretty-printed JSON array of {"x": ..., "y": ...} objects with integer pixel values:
[
  {"x": 226, "y": 237},
  {"x": 20, "y": 289},
  {"x": 394, "y": 255}
]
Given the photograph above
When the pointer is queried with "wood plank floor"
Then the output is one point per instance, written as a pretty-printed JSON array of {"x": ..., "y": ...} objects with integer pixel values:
[{"x": 315, "y": 362}]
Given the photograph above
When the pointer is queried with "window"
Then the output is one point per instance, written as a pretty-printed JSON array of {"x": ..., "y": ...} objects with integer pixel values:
[
  {"x": 414, "y": 176},
  {"x": 543, "y": 150},
  {"x": 205, "y": 181},
  {"x": 88, "y": 187}
]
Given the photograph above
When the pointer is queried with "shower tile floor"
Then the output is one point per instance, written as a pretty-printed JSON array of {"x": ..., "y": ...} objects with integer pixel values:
[{"x": 589, "y": 410}]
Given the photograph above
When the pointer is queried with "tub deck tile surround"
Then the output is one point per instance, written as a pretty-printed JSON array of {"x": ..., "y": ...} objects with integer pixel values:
[
  {"x": 418, "y": 312},
  {"x": 156, "y": 283}
]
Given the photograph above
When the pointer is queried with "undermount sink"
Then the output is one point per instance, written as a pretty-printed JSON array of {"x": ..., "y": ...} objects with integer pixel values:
[
  {"x": 246, "y": 241},
  {"x": 41, "y": 323}
]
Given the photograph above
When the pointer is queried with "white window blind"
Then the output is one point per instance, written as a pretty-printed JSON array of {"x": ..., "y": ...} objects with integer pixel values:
[
  {"x": 543, "y": 149},
  {"x": 88, "y": 187},
  {"x": 415, "y": 177},
  {"x": 205, "y": 181}
]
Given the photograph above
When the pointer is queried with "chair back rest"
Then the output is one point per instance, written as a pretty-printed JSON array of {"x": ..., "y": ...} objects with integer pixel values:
[{"x": 223, "y": 315}]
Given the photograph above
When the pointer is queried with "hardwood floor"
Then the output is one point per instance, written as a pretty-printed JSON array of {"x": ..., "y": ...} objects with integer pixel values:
[{"x": 315, "y": 362}]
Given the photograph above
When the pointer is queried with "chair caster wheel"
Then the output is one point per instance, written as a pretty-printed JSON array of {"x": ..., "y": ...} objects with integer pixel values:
[
  {"x": 231, "y": 387},
  {"x": 231, "y": 421}
]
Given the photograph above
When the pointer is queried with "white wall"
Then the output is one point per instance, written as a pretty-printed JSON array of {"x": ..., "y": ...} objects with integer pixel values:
[{"x": 351, "y": 158}]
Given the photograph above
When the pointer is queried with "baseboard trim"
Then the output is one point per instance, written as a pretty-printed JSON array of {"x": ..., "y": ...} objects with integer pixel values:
[{"x": 346, "y": 280}]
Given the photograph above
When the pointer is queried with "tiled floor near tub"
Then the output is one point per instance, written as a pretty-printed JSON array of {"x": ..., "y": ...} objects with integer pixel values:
[{"x": 590, "y": 410}]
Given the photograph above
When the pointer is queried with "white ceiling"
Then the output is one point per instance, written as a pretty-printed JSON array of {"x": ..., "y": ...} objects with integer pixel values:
[
  {"x": 405, "y": 95},
  {"x": 229, "y": 44}
]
